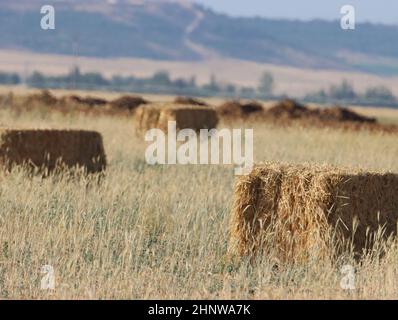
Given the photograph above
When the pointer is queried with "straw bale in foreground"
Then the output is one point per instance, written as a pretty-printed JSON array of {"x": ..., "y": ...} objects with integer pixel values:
[{"x": 299, "y": 212}]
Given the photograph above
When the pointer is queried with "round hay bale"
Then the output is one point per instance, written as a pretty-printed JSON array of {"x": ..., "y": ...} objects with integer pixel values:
[
  {"x": 236, "y": 109},
  {"x": 128, "y": 103},
  {"x": 341, "y": 114},
  {"x": 289, "y": 109}
]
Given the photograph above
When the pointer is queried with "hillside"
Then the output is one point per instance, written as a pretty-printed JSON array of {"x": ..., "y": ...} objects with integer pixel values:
[{"x": 180, "y": 31}]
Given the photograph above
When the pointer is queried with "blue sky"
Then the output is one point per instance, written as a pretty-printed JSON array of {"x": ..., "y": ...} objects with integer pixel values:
[{"x": 379, "y": 11}]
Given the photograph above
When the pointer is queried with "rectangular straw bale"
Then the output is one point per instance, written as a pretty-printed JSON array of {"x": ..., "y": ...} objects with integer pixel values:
[
  {"x": 299, "y": 212},
  {"x": 45, "y": 149},
  {"x": 186, "y": 117}
]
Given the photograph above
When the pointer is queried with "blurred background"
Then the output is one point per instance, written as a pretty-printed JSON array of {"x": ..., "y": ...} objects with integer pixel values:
[{"x": 251, "y": 49}]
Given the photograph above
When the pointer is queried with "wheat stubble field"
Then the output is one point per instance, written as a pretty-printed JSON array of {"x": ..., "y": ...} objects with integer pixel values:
[{"x": 161, "y": 232}]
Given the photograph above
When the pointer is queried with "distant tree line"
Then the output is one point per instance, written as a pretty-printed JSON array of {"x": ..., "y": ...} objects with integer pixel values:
[
  {"x": 9, "y": 78},
  {"x": 345, "y": 93},
  {"x": 161, "y": 82}
]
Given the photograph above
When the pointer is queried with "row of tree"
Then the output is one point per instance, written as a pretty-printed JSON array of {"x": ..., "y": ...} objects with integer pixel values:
[
  {"x": 9, "y": 78},
  {"x": 161, "y": 82},
  {"x": 345, "y": 93}
]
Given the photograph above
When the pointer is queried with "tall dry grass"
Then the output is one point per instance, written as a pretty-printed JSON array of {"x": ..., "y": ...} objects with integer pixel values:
[{"x": 162, "y": 231}]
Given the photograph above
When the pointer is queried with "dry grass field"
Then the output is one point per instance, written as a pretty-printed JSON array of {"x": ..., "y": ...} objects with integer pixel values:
[{"x": 148, "y": 232}]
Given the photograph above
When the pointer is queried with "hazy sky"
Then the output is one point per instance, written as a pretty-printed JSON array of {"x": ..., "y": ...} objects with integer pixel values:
[{"x": 384, "y": 11}]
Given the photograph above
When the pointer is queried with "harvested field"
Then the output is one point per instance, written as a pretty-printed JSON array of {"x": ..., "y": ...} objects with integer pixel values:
[
  {"x": 373, "y": 127},
  {"x": 190, "y": 101},
  {"x": 162, "y": 232},
  {"x": 305, "y": 212},
  {"x": 46, "y": 149},
  {"x": 127, "y": 103},
  {"x": 185, "y": 116}
]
